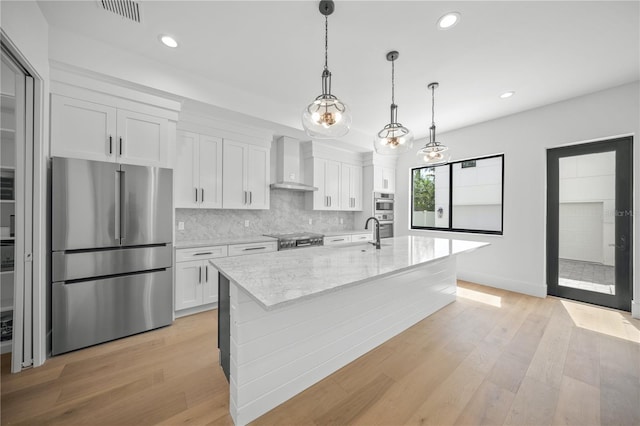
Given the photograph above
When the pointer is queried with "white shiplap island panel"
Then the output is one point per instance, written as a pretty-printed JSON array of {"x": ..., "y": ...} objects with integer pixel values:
[{"x": 297, "y": 316}]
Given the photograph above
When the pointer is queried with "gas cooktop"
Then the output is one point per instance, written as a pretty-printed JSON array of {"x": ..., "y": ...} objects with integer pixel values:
[{"x": 297, "y": 240}]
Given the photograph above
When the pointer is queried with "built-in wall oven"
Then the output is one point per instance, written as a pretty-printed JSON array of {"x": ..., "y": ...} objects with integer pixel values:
[{"x": 383, "y": 211}]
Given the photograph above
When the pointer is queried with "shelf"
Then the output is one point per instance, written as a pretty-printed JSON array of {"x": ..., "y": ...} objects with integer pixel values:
[
  {"x": 7, "y": 101},
  {"x": 7, "y": 201},
  {"x": 6, "y": 308},
  {"x": 7, "y": 167},
  {"x": 6, "y": 130},
  {"x": 7, "y": 238},
  {"x": 6, "y": 272}
]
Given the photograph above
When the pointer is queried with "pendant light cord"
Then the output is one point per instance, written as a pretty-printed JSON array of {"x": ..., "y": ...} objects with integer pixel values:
[
  {"x": 393, "y": 82},
  {"x": 433, "y": 121},
  {"x": 326, "y": 41}
]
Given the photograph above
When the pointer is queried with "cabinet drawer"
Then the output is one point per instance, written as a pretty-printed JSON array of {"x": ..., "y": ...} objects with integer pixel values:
[
  {"x": 338, "y": 239},
  {"x": 201, "y": 253},
  {"x": 253, "y": 248},
  {"x": 361, "y": 237}
]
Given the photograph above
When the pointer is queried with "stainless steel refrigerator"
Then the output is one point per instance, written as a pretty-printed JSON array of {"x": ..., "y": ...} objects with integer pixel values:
[{"x": 111, "y": 260}]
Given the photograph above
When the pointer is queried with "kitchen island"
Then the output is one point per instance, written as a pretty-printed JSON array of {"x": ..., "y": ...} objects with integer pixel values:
[{"x": 290, "y": 318}]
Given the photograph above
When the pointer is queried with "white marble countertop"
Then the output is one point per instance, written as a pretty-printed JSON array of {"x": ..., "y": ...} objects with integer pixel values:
[
  {"x": 280, "y": 278},
  {"x": 224, "y": 241}
]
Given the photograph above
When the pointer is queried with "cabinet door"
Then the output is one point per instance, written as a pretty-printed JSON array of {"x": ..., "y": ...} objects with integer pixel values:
[
  {"x": 320, "y": 200},
  {"x": 332, "y": 183},
  {"x": 356, "y": 187},
  {"x": 185, "y": 173},
  {"x": 142, "y": 139},
  {"x": 210, "y": 286},
  {"x": 209, "y": 163},
  {"x": 258, "y": 177},
  {"x": 189, "y": 284},
  {"x": 81, "y": 129},
  {"x": 389, "y": 179},
  {"x": 234, "y": 175}
]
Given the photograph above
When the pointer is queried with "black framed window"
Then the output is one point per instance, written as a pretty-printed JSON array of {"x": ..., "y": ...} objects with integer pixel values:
[{"x": 461, "y": 196}]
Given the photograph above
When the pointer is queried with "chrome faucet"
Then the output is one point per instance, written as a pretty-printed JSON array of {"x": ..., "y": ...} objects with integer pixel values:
[{"x": 376, "y": 232}]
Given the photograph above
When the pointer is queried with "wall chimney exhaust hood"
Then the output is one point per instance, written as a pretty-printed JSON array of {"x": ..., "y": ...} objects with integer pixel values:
[{"x": 288, "y": 175}]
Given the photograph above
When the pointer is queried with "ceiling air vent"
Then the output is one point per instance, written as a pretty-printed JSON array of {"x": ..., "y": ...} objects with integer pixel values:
[{"x": 126, "y": 8}]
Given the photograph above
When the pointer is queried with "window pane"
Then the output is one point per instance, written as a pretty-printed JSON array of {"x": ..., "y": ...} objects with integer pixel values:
[
  {"x": 430, "y": 197},
  {"x": 477, "y": 194}
]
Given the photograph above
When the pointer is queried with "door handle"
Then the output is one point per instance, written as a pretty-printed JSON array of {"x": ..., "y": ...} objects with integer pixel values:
[
  {"x": 196, "y": 194},
  {"x": 123, "y": 206},
  {"x": 250, "y": 197},
  {"x": 253, "y": 248},
  {"x": 202, "y": 195},
  {"x": 245, "y": 197},
  {"x": 206, "y": 274},
  {"x": 110, "y": 144},
  {"x": 199, "y": 274},
  {"x": 623, "y": 244},
  {"x": 116, "y": 222},
  {"x": 121, "y": 147}
]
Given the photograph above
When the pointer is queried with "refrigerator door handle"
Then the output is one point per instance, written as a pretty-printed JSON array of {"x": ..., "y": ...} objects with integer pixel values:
[
  {"x": 123, "y": 207},
  {"x": 116, "y": 226}
]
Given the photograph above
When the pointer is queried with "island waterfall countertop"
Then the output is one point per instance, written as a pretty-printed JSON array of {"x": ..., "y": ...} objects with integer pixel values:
[{"x": 284, "y": 277}]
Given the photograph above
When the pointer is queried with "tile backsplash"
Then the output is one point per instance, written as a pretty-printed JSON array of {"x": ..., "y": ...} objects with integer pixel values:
[{"x": 287, "y": 214}]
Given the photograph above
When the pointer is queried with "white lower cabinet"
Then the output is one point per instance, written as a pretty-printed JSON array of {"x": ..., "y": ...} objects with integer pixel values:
[
  {"x": 196, "y": 280},
  {"x": 337, "y": 239}
]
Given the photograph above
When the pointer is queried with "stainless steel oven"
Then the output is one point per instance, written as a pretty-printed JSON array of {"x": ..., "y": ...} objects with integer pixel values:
[
  {"x": 383, "y": 203},
  {"x": 386, "y": 230}
]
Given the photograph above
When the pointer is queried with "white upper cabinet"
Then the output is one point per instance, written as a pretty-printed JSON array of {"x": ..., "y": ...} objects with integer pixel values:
[
  {"x": 326, "y": 176},
  {"x": 95, "y": 125},
  {"x": 351, "y": 187},
  {"x": 384, "y": 179},
  {"x": 142, "y": 139},
  {"x": 81, "y": 129},
  {"x": 245, "y": 176},
  {"x": 198, "y": 171}
]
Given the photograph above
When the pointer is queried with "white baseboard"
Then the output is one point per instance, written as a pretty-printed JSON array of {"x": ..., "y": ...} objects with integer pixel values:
[
  {"x": 504, "y": 283},
  {"x": 196, "y": 310},
  {"x": 635, "y": 309}
]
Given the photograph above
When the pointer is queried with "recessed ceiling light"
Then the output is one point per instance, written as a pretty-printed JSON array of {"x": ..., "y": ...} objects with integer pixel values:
[
  {"x": 448, "y": 20},
  {"x": 168, "y": 41},
  {"x": 506, "y": 95}
]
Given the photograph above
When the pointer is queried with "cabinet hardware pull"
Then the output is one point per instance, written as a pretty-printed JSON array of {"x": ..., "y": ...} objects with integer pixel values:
[
  {"x": 121, "y": 147},
  {"x": 202, "y": 195},
  {"x": 254, "y": 248},
  {"x": 339, "y": 239},
  {"x": 199, "y": 274},
  {"x": 206, "y": 274},
  {"x": 196, "y": 194},
  {"x": 245, "y": 197},
  {"x": 202, "y": 254},
  {"x": 250, "y": 197},
  {"x": 110, "y": 144}
]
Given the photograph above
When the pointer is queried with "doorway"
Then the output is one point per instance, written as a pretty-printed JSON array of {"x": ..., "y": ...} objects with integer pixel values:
[
  {"x": 16, "y": 209},
  {"x": 590, "y": 222}
]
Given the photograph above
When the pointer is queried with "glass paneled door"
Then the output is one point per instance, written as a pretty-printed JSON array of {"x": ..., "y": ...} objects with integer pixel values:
[{"x": 589, "y": 222}]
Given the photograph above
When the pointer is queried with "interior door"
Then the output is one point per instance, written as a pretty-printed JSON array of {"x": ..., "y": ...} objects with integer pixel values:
[
  {"x": 589, "y": 222},
  {"x": 146, "y": 205}
]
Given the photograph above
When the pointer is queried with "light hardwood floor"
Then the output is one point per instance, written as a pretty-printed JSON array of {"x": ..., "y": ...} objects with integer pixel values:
[{"x": 492, "y": 357}]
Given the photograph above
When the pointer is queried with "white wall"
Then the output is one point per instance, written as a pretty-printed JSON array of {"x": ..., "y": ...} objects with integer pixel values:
[
  {"x": 26, "y": 31},
  {"x": 516, "y": 260}
]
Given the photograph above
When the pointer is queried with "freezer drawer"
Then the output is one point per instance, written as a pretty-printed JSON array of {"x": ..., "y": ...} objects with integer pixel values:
[
  {"x": 80, "y": 265},
  {"x": 89, "y": 312}
]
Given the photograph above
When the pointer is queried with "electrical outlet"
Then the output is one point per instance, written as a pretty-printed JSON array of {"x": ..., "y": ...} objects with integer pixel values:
[
  {"x": 246, "y": 223},
  {"x": 341, "y": 221},
  {"x": 180, "y": 226},
  {"x": 310, "y": 221}
]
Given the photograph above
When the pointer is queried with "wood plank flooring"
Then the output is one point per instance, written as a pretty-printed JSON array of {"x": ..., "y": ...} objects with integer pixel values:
[{"x": 492, "y": 357}]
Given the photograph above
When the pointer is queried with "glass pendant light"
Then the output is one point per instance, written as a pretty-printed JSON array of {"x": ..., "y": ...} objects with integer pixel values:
[
  {"x": 327, "y": 117},
  {"x": 433, "y": 152},
  {"x": 394, "y": 138}
]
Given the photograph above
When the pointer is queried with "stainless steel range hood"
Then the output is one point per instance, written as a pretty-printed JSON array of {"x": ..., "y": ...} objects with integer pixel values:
[{"x": 288, "y": 173}]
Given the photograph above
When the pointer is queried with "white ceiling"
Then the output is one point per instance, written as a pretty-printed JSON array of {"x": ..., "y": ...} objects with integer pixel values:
[{"x": 545, "y": 51}]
